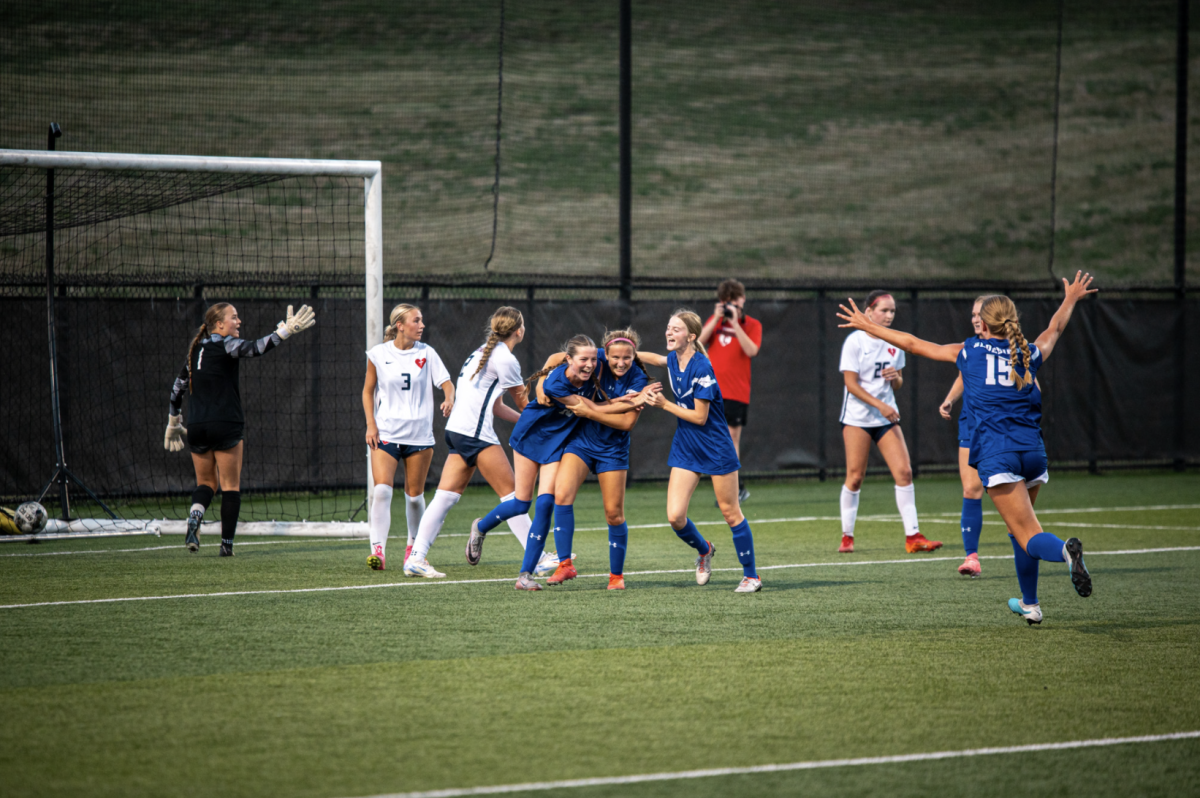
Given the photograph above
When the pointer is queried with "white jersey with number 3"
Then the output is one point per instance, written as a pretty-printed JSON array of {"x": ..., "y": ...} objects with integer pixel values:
[
  {"x": 868, "y": 356},
  {"x": 404, "y": 391},
  {"x": 474, "y": 398}
]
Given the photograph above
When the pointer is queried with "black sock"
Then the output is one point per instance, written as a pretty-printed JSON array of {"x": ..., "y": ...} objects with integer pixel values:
[
  {"x": 202, "y": 495},
  {"x": 231, "y": 505}
]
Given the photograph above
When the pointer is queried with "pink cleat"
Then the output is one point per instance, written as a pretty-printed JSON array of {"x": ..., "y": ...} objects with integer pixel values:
[
  {"x": 970, "y": 566},
  {"x": 376, "y": 560}
]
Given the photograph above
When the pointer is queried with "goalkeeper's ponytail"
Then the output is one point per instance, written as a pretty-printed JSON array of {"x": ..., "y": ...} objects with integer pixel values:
[{"x": 212, "y": 317}]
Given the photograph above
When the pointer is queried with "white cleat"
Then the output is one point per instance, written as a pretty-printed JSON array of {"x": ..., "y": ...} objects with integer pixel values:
[
  {"x": 750, "y": 584},
  {"x": 421, "y": 567},
  {"x": 1032, "y": 613},
  {"x": 548, "y": 563},
  {"x": 704, "y": 565}
]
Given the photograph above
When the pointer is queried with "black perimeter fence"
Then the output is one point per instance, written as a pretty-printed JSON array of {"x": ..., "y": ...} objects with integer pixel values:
[{"x": 813, "y": 150}]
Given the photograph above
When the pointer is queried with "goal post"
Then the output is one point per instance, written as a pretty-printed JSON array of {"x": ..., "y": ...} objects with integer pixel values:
[{"x": 291, "y": 227}]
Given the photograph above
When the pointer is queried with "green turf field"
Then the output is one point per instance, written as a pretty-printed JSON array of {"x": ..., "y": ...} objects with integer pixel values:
[{"x": 286, "y": 689}]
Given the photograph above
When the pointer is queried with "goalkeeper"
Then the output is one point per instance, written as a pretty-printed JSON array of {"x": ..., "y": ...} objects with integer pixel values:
[{"x": 215, "y": 418}]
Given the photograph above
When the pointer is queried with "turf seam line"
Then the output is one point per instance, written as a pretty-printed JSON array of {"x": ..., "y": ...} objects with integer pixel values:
[
  {"x": 431, "y": 582},
  {"x": 792, "y": 766}
]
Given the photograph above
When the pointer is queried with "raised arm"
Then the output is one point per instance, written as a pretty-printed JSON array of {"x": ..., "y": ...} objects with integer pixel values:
[
  {"x": 710, "y": 326},
  {"x": 956, "y": 391},
  {"x": 651, "y": 359},
  {"x": 858, "y": 320},
  {"x": 1074, "y": 291}
]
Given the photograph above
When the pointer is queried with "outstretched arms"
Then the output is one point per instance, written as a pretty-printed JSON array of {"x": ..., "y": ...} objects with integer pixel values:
[
  {"x": 858, "y": 320},
  {"x": 1074, "y": 291}
]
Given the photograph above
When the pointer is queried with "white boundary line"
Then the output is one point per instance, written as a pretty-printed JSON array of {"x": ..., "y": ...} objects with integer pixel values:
[
  {"x": 416, "y": 581},
  {"x": 826, "y": 763}
]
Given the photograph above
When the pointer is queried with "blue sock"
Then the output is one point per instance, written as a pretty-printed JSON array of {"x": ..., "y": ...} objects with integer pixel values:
[
  {"x": 564, "y": 529},
  {"x": 691, "y": 536},
  {"x": 743, "y": 540},
  {"x": 539, "y": 530},
  {"x": 501, "y": 513},
  {"x": 1046, "y": 547},
  {"x": 972, "y": 524},
  {"x": 1027, "y": 572},
  {"x": 618, "y": 540}
]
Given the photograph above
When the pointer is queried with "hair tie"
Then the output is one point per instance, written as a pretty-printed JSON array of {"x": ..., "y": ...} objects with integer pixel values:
[{"x": 621, "y": 340}]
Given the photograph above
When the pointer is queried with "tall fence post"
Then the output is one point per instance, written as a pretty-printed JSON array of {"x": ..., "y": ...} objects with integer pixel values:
[
  {"x": 822, "y": 420},
  {"x": 1181, "y": 129},
  {"x": 624, "y": 231},
  {"x": 915, "y": 388}
]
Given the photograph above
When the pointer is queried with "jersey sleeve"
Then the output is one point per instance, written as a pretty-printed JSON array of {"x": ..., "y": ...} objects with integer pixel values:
[
  {"x": 557, "y": 386},
  {"x": 637, "y": 380},
  {"x": 508, "y": 370},
  {"x": 851, "y": 355},
  {"x": 178, "y": 389},
  {"x": 961, "y": 360},
  {"x": 440, "y": 374},
  {"x": 899, "y": 359},
  {"x": 239, "y": 347},
  {"x": 706, "y": 384},
  {"x": 753, "y": 329}
]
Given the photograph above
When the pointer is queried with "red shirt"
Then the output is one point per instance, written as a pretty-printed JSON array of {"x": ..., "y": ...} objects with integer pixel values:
[{"x": 730, "y": 362}]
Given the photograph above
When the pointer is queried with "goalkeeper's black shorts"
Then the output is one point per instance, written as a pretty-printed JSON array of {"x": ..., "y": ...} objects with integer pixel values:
[{"x": 214, "y": 436}]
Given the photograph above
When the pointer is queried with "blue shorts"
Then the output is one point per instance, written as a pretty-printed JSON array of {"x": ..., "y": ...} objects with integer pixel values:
[
  {"x": 597, "y": 464},
  {"x": 542, "y": 457},
  {"x": 1028, "y": 467},
  {"x": 465, "y": 446},
  {"x": 401, "y": 450}
]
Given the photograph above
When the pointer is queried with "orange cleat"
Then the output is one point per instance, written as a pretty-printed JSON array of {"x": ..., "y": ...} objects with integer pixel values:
[
  {"x": 970, "y": 566},
  {"x": 847, "y": 546},
  {"x": 562, "y": 573},
  {"x": 616, "y": 582},
  {"x": 917, "y": 542}
]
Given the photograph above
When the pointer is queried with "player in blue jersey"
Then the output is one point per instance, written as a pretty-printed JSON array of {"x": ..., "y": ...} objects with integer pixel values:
[
  {"x": 702, "y": 445},
  {"x": 537, "y": 441},
  {"x": 999, "y": 369},
  {"x": 972, "y": 506},
  {"x": 601, "y": 445}
]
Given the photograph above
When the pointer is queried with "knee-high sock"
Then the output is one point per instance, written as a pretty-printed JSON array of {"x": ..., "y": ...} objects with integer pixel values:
[
  {"x": 508, "y": 507},
  {"x": 381, "y": 515},
  {"x": 564, "y": 529},
  {"x": 972, "y": 524},
  {"x": 543, "y": 516},
  {"x": 906, "y": 503},
  {"x": 691, "y": 536},
  {"x": 743, "y": 540},
  {"x": 1027, "y": 572},
  {"x": 231, "y": 505},
  {"x": 202, "y": 496},
  {"x": 432, "y": 520},
  {"x": 618, "y": 542},
  {"x": 519, "y": 526},
  {"x": 414, "y": 508},
  {"x": 1046, "y": 547},
  {"x": 849, "y": 510}
]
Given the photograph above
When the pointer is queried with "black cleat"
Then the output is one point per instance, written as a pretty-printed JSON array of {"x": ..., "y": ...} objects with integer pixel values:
[
  {"x": 192, "y": 541},
  {"x": 226, "y": 549},
  {"x": 1080, "y": 577}
]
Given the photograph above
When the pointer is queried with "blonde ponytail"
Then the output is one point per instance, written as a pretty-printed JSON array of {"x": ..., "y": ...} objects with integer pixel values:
[
  {"x": 1002, "y": 320},
  {"x": 503, "y": 323},
  {"x": 395, "y": 319}
]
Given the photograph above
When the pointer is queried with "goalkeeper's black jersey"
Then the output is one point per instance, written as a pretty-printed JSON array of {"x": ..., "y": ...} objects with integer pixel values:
[{"x": 214, "y": 394}]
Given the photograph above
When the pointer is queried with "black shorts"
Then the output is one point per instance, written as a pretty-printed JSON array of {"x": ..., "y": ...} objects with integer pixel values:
[
  {"x": 875, "y": 432},
  {"x": 736, "y": 412},
  {"x": 465, "y": 446},
  {"x": 214, "y": 436}
]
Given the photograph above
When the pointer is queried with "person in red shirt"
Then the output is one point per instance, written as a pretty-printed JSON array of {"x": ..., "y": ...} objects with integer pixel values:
[{"x": 732, "y": 339}]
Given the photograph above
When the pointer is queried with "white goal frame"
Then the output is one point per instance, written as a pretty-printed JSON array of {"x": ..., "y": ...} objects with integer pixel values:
[{"x": 372, "y": 174}]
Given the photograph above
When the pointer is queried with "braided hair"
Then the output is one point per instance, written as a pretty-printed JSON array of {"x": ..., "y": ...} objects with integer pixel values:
[
  {"x": 503, "y": 323},
  {"x": 212, "y": 317},
  {"x": 397, "y": 317},
  {"x": 1002, "y": 320},
  {"x": 692, "y": 322}
]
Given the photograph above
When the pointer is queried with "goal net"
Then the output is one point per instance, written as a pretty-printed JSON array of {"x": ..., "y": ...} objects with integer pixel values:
[{"x": 141, "y": 246}]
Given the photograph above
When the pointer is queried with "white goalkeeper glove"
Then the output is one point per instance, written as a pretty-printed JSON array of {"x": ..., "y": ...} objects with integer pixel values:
[
  {"x": 173, "y": 442},
  {"x": 302, "y": 320}
]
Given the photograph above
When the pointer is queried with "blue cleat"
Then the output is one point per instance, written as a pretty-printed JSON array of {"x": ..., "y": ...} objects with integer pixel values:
[{"x": 1032, "y": 613}]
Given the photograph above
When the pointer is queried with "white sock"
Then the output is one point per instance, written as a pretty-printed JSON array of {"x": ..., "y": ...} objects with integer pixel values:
[
  {"x": 432, "y": 520},
  {"x": 414, "y": 509},
  {"x": 197, "y": 508},
  {"x": 849, "y": 510},
  {"x": 906, "y": 503},
  {"x": 520, "y": 524},
  {"x": 381, "y": 515}
]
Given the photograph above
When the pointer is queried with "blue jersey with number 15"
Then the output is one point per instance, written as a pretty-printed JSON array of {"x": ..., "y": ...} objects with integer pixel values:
[{"x": 1005, "y": 419}]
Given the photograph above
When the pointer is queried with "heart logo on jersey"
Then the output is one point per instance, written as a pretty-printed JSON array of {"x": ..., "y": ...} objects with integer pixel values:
[
  {"x": 420, "y": 362},
  {"x": 891, "y": 351},
  {"x": 725, "y": 339}
]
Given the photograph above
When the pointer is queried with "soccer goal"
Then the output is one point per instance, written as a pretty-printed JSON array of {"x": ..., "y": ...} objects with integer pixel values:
[{"x": 107, "y": 264}]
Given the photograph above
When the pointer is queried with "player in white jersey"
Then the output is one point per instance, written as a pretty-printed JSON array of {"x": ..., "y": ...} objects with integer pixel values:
[
  {"x": 489, "y": 373},
  {"x": 872, "y": 369},
  {"x": 398, "y": 401}
]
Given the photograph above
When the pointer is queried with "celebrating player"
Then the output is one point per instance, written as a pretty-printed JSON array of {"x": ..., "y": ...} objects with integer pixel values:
[
  {"x": 210, "y": 380},
  {"x": 701, "y": 446},
  {"x": 972, "y": 506},
  {"x": 398, "y": 402},
  {"x": 489, "y": 373},
  {"x": 871, "y": 368},
  {"x": 999, "y": 369}
]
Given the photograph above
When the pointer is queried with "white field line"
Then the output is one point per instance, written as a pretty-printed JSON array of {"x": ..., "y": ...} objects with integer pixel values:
[
  {"x": 176, "y": 546},
  {"x": 508, "y": 579},
  {"x": 827, "y": 763}
]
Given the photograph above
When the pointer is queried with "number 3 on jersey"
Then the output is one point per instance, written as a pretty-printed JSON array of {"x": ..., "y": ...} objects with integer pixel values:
[{"x": 1005, "y": 369}]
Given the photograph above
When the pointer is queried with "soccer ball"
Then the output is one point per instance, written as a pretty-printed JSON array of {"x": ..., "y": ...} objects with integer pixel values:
[{"x": 30, "y": 518}]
